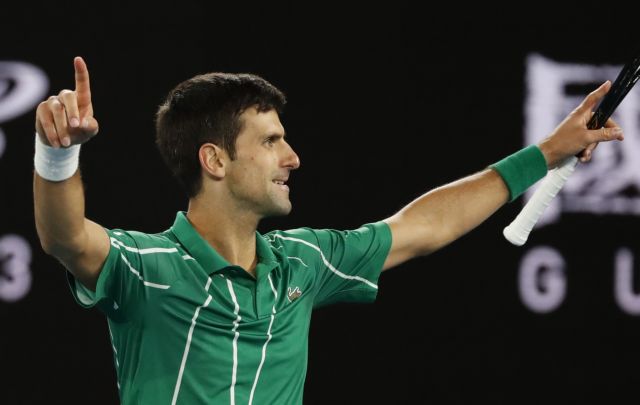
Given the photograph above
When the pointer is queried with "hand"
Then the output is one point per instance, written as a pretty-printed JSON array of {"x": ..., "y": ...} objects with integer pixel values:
[
  {"x": 67, "y": 119},
  {"x": 572, "y": 138}
]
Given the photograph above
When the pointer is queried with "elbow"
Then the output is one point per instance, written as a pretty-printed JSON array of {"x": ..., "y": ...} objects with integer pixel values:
[
  {"x": 50, "y": 247},
  {"x": 46, "y": 246},
  {"x": 46, "y": 243},
  {"x": 63, "y": 248}
]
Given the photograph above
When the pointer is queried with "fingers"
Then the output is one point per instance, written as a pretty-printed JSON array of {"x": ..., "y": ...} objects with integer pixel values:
[
  {"x": 592, "y": 99},
  {"x": 51, "y": 121},
  {"x": 573, "y": 138},
  {"x": 611, "y": 123},
  {"x": 45, "y": 126},
  {"x": 60, "y": 121},
  {"x": 70, "y": 102},
  {"x": 68, "y": 117},
  {"x": 586, "y": 154},
  {"x": 611, "y": 131},
  {"x": 605, "y": 134},
  {"x": 83, "y": 88}
]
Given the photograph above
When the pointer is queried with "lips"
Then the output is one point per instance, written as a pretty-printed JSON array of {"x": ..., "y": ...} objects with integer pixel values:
[{"x": 281, "y": 183}]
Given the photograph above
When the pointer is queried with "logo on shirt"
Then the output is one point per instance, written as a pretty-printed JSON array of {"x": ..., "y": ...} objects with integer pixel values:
[{"x": 293, "y": 294}]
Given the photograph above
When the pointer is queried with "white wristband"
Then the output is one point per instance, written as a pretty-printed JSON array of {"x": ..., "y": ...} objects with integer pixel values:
[{"x": 55, "y": 164}]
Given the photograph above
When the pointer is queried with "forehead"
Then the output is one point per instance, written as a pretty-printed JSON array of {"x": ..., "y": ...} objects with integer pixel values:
[{"x": 255, "y": 123}]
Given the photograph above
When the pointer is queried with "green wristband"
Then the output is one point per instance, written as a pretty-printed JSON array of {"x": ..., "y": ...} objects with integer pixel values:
[{"x": 521, "y": 170}]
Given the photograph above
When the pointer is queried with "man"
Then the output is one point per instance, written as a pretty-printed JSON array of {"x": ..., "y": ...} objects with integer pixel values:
[{"x": 210, "y": 311}]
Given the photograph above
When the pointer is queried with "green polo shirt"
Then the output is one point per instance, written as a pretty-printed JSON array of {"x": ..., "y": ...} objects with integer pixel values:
[{"x": 187, "y": 327}]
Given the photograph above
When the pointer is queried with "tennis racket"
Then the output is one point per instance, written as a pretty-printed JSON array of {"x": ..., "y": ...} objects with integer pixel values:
[{"x": 518, "y": 231}]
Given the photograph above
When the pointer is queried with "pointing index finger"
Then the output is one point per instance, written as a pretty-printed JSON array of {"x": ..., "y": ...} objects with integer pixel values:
[{"x": 83, "y": 89}]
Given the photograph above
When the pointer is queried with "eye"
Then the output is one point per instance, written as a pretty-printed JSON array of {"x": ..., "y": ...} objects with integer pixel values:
[{"x": 270, "y": 141}]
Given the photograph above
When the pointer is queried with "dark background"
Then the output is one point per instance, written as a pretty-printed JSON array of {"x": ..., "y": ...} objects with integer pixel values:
[{"x": 385, "y": 103}]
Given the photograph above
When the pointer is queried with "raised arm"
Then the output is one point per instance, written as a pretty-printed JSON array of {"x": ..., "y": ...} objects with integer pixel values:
[
  {"x": 444, "y": 214},
  {"x": 63, "y": 122}
]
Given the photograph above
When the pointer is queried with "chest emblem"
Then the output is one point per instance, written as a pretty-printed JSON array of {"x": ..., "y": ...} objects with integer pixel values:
[{"x": 293, "y": 293}]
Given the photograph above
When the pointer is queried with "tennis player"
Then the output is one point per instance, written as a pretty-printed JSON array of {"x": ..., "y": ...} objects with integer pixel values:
[{"x": 210, "y": 311}]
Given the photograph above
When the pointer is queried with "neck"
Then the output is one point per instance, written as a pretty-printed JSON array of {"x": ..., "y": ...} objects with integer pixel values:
[{"x": 231, "y": 232}]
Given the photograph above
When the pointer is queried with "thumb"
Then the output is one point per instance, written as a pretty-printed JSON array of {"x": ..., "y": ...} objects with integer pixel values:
[
  {"x": 90, "y": 125},
  {"x": 592, "y": 99}
]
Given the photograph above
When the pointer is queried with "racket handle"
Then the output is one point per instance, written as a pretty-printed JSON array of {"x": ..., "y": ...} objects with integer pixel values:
[{"x": 518, "y": 231}]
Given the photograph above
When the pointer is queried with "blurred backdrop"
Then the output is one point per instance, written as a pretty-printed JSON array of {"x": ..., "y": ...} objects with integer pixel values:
[{"x": 384, "y": 104}]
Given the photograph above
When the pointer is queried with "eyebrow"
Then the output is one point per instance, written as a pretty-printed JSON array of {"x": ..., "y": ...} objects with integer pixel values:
[{"x": 275, "y": 134}]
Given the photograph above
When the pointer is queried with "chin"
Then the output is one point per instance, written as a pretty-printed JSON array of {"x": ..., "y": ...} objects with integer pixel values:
[{"x": 279, "y": 210}]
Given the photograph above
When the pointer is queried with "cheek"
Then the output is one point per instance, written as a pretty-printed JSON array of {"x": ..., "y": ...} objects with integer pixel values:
[
  {"x": 254, "y": 173},
  {"x": 252, "y": 169}
]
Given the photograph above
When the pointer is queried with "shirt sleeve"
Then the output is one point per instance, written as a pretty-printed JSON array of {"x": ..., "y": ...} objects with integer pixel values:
[
  {"x": 347, "y": 263},
  {"x": 123, "y": 283}
]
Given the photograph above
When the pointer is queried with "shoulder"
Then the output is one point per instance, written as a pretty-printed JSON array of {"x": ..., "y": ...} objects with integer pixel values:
[
  {"x": 292, "y": 235},
  {"x": 326, "y": 237},
  {"x": 135, "y": 240}
]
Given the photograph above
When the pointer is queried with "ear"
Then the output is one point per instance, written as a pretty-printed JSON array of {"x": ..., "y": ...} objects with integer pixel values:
[{"x": 213, "y": 160}]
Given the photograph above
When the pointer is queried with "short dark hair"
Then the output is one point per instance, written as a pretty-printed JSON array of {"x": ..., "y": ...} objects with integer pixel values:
[{"x": 206, "y": 108}]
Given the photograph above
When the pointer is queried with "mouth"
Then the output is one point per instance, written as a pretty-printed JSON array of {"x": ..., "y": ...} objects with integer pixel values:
[{"x": 281, "y": 183}]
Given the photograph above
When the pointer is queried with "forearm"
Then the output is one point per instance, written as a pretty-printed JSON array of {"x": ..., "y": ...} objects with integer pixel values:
[
  {"x": 60, "y": 216},
  {"x": 444, "y": 214},
  {"x": 67, "y": 120}
]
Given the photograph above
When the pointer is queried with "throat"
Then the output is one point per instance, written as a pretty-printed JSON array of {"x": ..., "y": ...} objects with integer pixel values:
[
  {"x": 248, "y": 265},
  {"x": 241, "y": 254},
  {"x": 234, "y": 242}
]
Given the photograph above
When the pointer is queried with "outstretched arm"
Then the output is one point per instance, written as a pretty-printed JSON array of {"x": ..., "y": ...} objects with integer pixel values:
[
  {"x": 80, "y": 244},
  {"x": 444, "y": 214}
]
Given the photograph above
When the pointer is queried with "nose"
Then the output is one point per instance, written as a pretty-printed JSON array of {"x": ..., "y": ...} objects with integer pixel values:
[{"x": 292, "y": 161}]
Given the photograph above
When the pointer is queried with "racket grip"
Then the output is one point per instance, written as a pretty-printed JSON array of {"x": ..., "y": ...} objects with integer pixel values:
[{"x": 518, "y": 231}]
